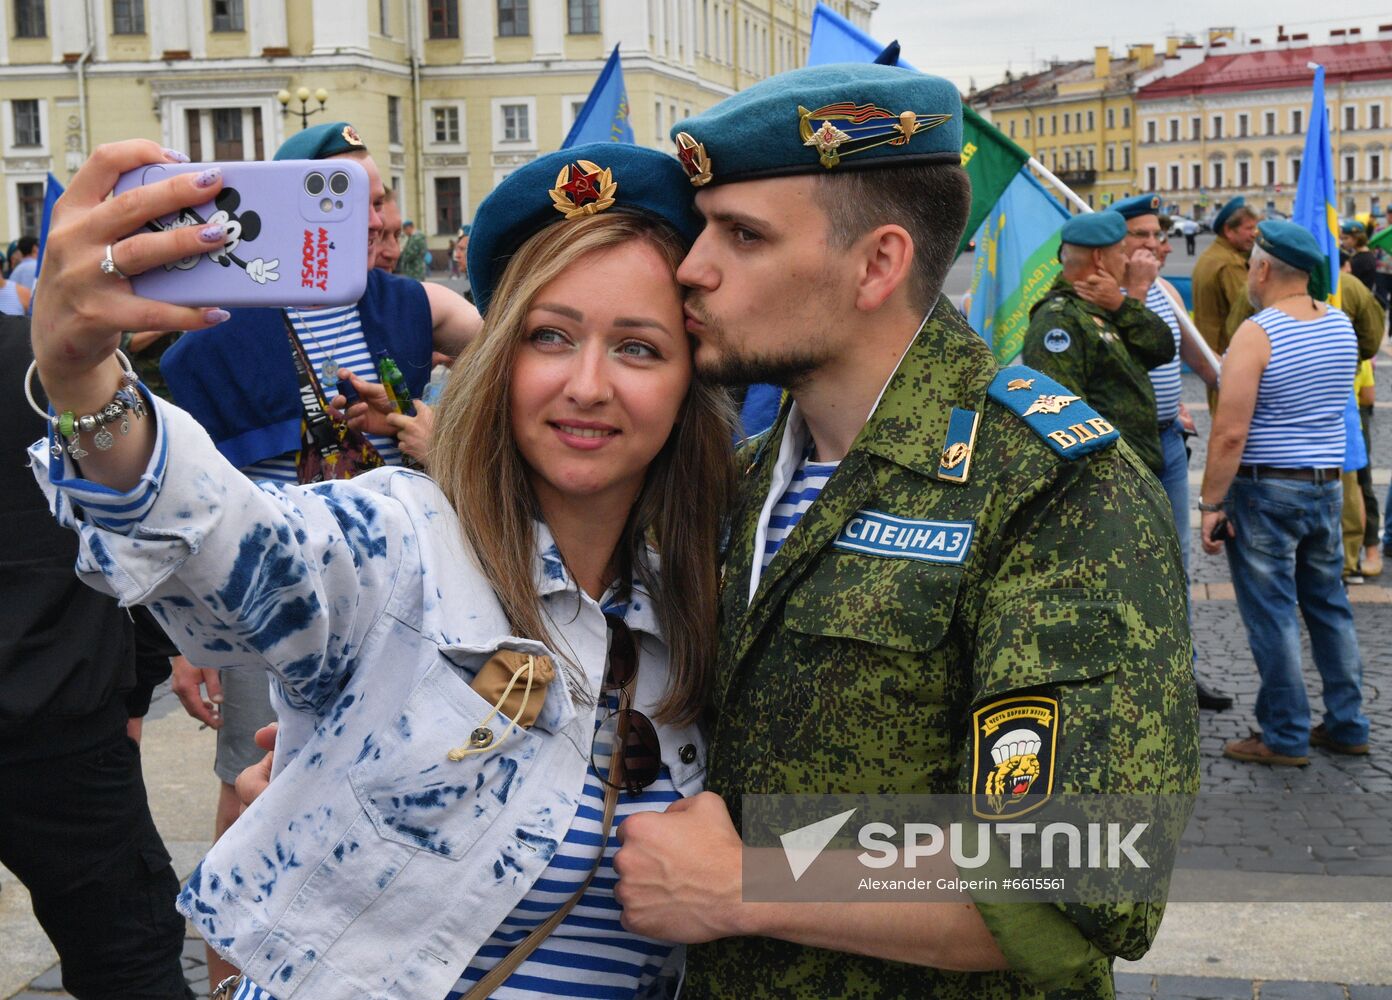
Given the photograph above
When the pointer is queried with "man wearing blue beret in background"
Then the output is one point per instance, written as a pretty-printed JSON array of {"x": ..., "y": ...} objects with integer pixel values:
[
  {"x": 1098, "y": 339},
  {"x": 1273, "y": 481},
  {"x": 1220, "y": 273},
  {"x": 925, "y": 546}
]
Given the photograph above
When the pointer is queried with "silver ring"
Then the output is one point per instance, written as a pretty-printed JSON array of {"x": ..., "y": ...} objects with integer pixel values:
[{"x": 108, "y": 266}]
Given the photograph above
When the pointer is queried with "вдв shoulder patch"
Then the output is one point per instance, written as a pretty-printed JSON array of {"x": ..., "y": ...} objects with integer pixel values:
[{"x": 1060, "y": 417}]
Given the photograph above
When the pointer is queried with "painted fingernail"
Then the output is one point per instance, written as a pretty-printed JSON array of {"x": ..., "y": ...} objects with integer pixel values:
[
  {"x": 213, "y": 233},
  {"x": 174, "y": 156},
  {"x": 208, "y": 177},
  {"x": 216, "y": 315}
]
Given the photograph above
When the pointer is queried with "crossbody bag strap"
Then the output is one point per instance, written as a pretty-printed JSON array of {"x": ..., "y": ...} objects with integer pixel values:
[{"x": 509, "y": 963}]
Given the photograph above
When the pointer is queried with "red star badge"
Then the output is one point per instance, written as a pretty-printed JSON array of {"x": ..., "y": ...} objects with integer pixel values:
[{"x": 583, "y": 188}]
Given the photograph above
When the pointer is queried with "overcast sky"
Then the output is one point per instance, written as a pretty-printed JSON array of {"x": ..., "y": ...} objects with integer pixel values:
[{"x": 965, "y": 39}]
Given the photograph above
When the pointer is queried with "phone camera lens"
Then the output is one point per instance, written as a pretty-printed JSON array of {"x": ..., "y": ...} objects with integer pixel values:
[
  {"x": 314, "y": 184},
  {"x": 338, "y": 183}
]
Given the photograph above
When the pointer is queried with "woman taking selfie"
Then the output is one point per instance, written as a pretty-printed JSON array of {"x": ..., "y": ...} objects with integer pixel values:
[{"x": 479, "y": 673}]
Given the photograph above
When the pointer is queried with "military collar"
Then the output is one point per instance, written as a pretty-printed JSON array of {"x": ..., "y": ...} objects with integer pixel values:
[
  {"x": 1063, "y": 287},
  {"x": 946, "y": 366},
  {"x": 1222, "y": 241}
]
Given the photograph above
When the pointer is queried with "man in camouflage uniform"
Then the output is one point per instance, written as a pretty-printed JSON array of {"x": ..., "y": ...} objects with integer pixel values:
[
  {"x": 979, "y": 544},
  {"x": 1099, "y": 341}
]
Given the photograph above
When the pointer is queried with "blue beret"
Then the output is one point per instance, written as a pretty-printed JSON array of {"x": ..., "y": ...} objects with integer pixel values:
[
  {"x": 1095, "y": 229},
  {"x": 321, "y": 142},
  {"x": 464, "y": 230},
  {"x": 809, "y": 121},
  {"x": 571, "y": 184},
  {"x": 1137, "y": 205},
  {"x": 1221, "y": 219},
  {"x": 1292, "y": 243},
  {"x": 1353, "y": 226}
]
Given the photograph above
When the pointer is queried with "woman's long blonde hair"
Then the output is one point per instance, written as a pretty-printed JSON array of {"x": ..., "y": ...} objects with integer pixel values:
[{"x": 679, "y": 511}]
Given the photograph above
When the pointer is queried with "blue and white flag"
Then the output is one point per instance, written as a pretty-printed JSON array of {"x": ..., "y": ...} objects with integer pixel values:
[
  {"x": 1314, "y": 193},
  {"x": 604, "y": 118},
  {"x": 837, "y": 40},
  {"x": 52, "y": 192}
]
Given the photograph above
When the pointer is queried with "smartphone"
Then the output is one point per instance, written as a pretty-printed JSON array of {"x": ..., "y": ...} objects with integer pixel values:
[
  {"x": 1220, "y": 531},
  {"x": 296, "y": 235}
]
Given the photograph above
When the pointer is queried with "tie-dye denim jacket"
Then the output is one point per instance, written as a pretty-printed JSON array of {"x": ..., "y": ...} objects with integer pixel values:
[{"x": 373, "y": 866}]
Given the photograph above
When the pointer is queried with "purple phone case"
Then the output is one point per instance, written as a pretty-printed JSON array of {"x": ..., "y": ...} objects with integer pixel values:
[{"x": 285, "y": 247}]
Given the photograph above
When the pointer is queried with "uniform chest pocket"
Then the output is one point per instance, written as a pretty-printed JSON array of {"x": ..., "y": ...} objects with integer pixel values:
[
  {"x": 900, "y": 603},
  {"x": 414, "y": 794}
]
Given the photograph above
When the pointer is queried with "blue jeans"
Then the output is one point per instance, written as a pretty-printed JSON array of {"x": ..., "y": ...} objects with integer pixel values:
[
  {"x": 1288, "y": 552},
  {"x": 1387, "y": 520},
  {"x": 1175, "y": 479}
]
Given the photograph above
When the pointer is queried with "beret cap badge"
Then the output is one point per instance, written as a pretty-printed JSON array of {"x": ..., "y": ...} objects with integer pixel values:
[
  {"x": 865, "y": 127},
  {"x": 583, "y": 188},
  {"x": 694, "y": 159},
  {"x": 350, "y": 136}
]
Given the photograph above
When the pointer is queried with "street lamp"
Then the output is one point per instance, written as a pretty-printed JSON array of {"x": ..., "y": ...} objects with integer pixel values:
[{"x": 304, "y": 111}]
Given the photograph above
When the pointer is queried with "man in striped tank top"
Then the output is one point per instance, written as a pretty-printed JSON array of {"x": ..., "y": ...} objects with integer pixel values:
[
  {"x": 1144, "y": 234},
  {"x": 1271, "y": 494}
]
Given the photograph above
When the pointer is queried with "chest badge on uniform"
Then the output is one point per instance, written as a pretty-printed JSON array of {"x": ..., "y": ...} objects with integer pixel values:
[
  {"x": 875, "y": 533},
  {"x": 1057, "y": 340},
  {"x": 1050, "y": 404},
  {"x": 1013, "y": 744},
  {"x": 1019, "y": 383}
]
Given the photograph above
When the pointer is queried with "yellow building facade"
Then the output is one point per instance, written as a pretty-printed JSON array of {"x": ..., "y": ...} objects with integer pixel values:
[
  {"x": 1077, "y": 119},
  {"x": 450, "y": 95}
]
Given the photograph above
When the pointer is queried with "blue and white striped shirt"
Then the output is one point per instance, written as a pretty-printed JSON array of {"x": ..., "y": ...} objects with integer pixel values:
[
  {"x": 804, "y": 488},
  {"x": 335, "y": 332},
  {"x": 1298, "y": 422},
  {"x": 1165, "y": 379}
]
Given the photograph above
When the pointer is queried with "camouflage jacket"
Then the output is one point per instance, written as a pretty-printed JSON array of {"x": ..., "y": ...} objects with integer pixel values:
[
  {"x": 1220, "y": 281},
  {"x": 412, "y": 262},
  {"x": 853, "y": 672},
  {"x": 1105, "y": 357}
]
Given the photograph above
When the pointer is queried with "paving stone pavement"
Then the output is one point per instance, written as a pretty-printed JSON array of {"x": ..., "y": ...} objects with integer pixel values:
[{"x": 1332, "y": 818}]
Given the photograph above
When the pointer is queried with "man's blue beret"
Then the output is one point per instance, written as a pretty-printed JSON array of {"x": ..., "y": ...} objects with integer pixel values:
[
  {"x": 1292, "y": 243},
  {"x": 1137, "y": 205},
  {"x": 571, "y": 184},
  {"x": 1095, "y": 229},
  {"x": 823, "y": 118},
  {"x": 1221, "y": 219},
  {"x": 1352, "y": 227},
  {"x": 321, "y": 142}
]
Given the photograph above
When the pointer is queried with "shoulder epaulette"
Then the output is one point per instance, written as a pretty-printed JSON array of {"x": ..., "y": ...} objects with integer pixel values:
[{"x": 1064, "y": 420}]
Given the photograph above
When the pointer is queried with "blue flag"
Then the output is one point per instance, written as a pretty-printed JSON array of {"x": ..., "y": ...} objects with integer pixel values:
[
  {"x": 1314, "y": 194},
  {"x": 52, "y": 192},
  {"x": 604, "y": 118},
  {"x": 1016, "y": 262}
]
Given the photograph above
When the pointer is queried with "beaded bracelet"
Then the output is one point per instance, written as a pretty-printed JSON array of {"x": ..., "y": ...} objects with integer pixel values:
[{"x": 67, "y": 425}]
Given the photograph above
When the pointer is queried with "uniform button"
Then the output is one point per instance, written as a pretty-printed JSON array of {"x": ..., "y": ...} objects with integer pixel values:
[
  {"x": 687, "y": 753},
  {"x": 481, "y": 737}
]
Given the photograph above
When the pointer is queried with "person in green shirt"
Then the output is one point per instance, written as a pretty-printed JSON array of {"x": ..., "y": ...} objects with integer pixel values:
[
  {"x": 1101, "y": 341},
  {"x": 963, "y": 558}
]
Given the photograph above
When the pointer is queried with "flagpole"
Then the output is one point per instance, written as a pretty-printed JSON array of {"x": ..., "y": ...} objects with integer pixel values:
[{"x": 1186, "y": 324}]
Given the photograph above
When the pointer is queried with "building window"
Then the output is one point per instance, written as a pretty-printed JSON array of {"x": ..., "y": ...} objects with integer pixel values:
[
  {"x": 1350, "y": 118},
  {"x": 1270, "y": 120},
  {"x": 1092, "y": 120},
  {"x": 1374, "y": 116},
  {"x": 1244, "y": 173},
  {"x": 657, "y": 118},
  {"x": 1295, "y": 170},
  {"x": 1111, "y": 117},
  {"x": 1174, "y": 176},
  {"x": 444, "y": 18},
  {"x": 1150, "y": 131},
  {"x": 1092, "y": 158},
  {"x": 28, "y": 131},
  {"x": 228, "y": 15},
  {"x": 1242, "y": 119},
  {"x": 1196, "y": 175},
  {"x": 1041, "y": 125},
  {"x": 583, "y": 17},
  {"x": 1065, "y": 124},
  {"x": 31, "y": 202},
  {"x": 1111, "y": 158},
  {"x": 227, "y": 134},
  {"x": 128, "y": 17},
  {"x": 1297, "y": 121},
  {"x": 1067, "y": 158},
  {"x": 1350, "y": 167},
  {"x": 1268, "y": 173},
  {"x": 384, "y": 17},
  {"x": 1053, "y": 124},
  {"x": 1195, "y": 128},
  {"x": 446, "y": 125},
  {"x": 1125, "y": 117},
  {"x": 448, "y": 217},
  {"x": 1027, "y": 128},
  {"x": 1152, "y": 178},
  {"x": 1218, "y": 174},
  {"x": 1216, "y": 131},
  {"x": 517, "y": 126},
  {"x": 394, "y": 120},
  {"x": 512, "y": 18},
  {"x": 1126, "y": 156},
  {"x": 29, "y": 19},
  {"x": 1012, "y": 128},
  {"x": 1375, "y": 166},
  {"x": 1174, "y": 129}
]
